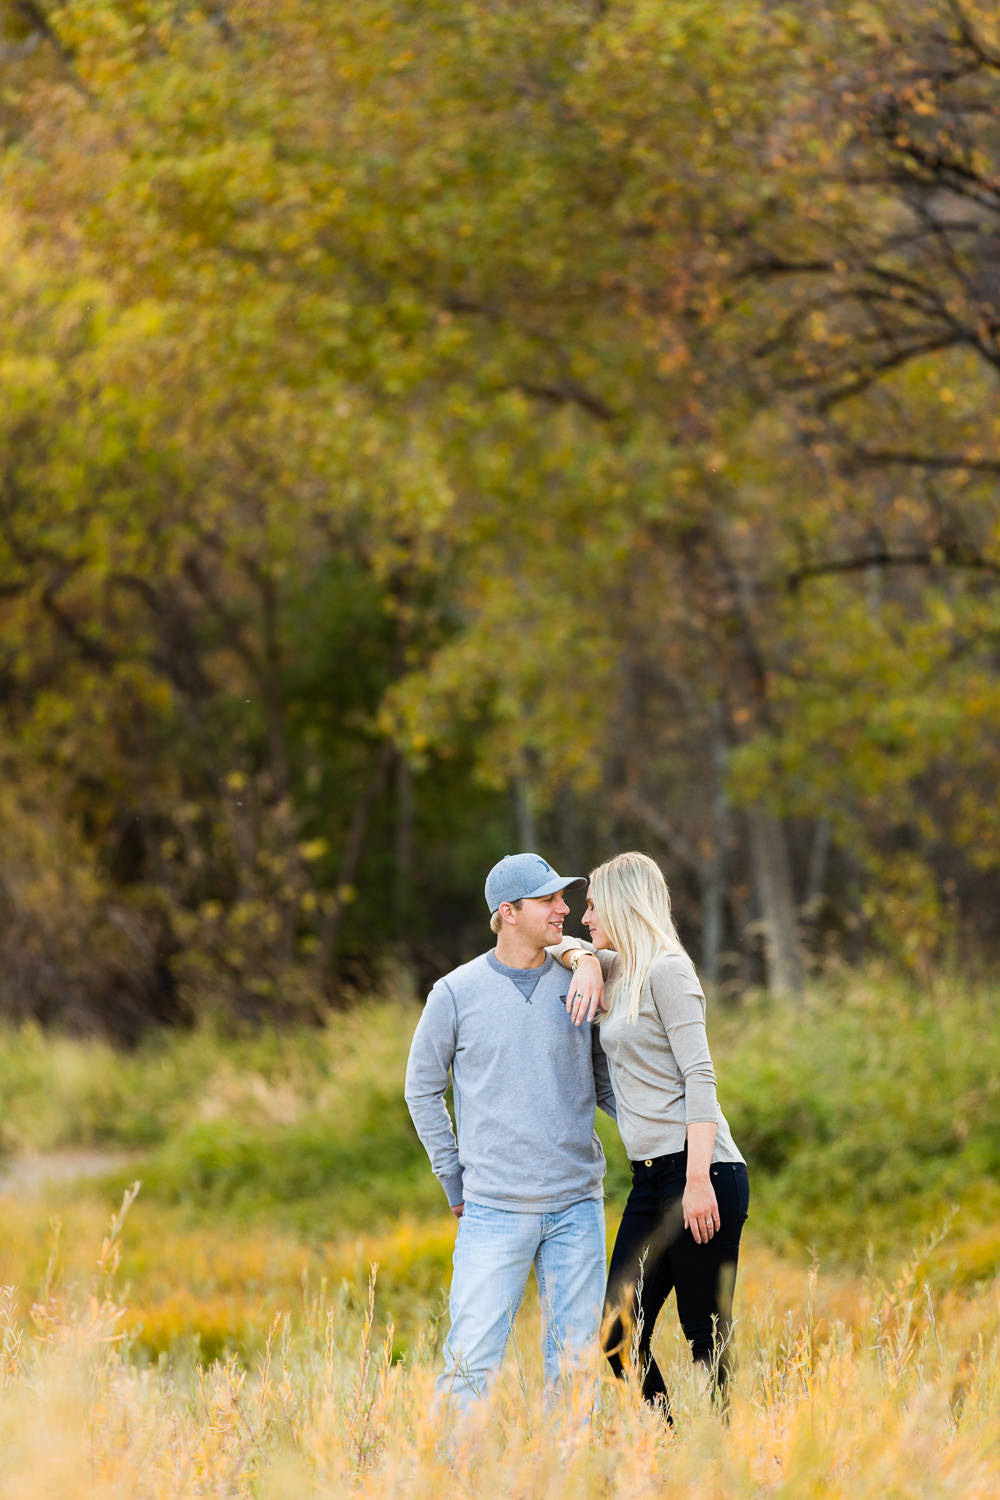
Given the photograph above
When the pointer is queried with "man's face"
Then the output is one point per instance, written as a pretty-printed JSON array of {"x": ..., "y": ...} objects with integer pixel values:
[{"x": 540, "y": 920}]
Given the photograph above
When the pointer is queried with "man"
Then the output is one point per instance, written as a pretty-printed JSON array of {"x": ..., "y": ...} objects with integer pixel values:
[{"x": 525, "y": 1176}]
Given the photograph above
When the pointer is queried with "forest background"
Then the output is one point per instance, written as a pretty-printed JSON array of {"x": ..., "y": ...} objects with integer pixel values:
[
  {"x": 434, "y": 430},
  {"x": 430, "y": 430}
]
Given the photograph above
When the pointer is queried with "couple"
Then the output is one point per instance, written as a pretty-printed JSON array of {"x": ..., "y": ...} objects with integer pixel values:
[{"x": 524, "y": 1178}]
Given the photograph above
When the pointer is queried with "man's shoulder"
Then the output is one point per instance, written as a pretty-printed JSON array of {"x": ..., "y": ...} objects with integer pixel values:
[{"x": 472, "y": 972}]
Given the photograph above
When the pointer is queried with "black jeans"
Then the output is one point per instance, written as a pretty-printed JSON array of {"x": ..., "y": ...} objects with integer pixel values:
[{"x": 654, "y": 1254}]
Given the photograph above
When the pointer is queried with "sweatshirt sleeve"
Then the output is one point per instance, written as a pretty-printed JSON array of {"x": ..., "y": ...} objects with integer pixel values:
[
  {"x": 604, "y": 956},
  {"x": 431, "y": 1053},
  {"x": 602, "y": 1075},
  {"x": 680, "y": 1005},
  {"x": 567, "y": 946}
]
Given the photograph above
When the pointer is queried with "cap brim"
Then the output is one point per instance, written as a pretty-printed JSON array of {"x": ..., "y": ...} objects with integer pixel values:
[{"x": 557, "y": 883}]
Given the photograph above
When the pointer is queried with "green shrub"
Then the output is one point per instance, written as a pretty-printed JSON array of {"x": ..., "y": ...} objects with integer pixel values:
[
  {"x": 869, "y": 1114},
  {"x": 866, "y": 1113}
]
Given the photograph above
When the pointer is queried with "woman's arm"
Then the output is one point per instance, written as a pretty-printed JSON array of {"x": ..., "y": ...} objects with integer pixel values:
[
  {"x": 680, "y": 1005},
  {"x": 701, "y": 1208},
  {"x": 586, "y": 992}
]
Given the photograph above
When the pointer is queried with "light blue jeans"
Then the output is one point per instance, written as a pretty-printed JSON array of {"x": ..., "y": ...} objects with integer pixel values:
[{"x": 494, "y": 1253}]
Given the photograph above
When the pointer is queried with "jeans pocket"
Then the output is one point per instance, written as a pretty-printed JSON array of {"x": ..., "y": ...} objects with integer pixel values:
[{"x": 732, "y": 1188}]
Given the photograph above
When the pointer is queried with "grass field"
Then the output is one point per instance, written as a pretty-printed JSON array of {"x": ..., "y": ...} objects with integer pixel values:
[
  {"x": 848, "y": 1388},
  {"x": 220, "y": 1340}
]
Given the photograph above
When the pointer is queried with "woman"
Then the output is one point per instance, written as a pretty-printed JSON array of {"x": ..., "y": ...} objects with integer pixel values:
[{"x": 690, "y": 1189}]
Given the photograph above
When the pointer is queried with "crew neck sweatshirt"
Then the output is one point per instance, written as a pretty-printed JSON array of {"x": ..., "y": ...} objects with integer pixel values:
[
  {"x": 525, "y": 1085},
  {"x": 525, "y": 979}
]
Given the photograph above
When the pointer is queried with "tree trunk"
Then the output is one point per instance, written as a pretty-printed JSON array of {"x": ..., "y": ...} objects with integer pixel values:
[
  {"x": 816, "y": 878},
  {"x": 525, "y": 827},
  {"x": 570, "y": 856},
  {"x": 772, "y": 877},
  {"x": 350, "y": 857},
  {"x": 713, "y": 867},
  {"x": 403, "y": 851}
]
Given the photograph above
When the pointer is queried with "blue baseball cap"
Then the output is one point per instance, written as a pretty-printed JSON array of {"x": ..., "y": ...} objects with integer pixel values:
[{"x": 520, "y": 876}]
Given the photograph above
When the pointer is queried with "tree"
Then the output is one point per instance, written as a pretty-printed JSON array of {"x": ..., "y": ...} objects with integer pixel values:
[{"x": 544, "y": 382}]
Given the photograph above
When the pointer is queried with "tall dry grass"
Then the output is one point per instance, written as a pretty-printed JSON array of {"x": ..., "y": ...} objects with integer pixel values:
[{"x": 866, "y": 1388}]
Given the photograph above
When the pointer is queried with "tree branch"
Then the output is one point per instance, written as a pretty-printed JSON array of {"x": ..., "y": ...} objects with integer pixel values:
[
  {"x": 949, "y": 554},
  {"x": 971, "y": 39},
  {"x": 567, "y": 393},
  {"x": 893, "y": 361},
  {"x": 887, "y": 457},
  {"x": 636, "y": 806}
]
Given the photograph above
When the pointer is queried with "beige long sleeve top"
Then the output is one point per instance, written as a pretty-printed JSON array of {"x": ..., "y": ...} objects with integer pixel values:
[{"x": 661, "y": 1067}]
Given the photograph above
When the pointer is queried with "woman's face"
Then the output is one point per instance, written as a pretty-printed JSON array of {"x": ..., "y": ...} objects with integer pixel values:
[{"x": 593, "y": 924}]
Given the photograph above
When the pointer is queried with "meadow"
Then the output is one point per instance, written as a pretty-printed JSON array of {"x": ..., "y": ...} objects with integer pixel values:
[{"x": 223, "y": 1332}]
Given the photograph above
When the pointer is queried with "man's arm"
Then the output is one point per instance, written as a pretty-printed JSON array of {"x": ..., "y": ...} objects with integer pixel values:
[
  {"x": 602, "y": 1075},
  {"x": 431, "y": 1054}
]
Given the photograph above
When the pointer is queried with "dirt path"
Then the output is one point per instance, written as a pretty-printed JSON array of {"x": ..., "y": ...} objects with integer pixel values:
[{"x": 25, "y": 1176}]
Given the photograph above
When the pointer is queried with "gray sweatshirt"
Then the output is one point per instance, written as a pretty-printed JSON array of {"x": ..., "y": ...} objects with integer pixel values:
[{"x": 526, "y": 1081}]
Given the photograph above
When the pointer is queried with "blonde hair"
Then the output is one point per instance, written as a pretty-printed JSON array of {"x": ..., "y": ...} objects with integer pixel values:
[
  {"x": 631, "y": 898},
  {"x": 496, "y": 921}
]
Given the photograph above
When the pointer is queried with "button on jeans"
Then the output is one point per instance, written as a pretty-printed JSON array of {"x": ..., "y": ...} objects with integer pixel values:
[{"x": 495, "y": 1250}]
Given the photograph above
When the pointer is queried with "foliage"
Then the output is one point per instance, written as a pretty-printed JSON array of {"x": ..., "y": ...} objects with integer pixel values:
[
  {"x": 582, "y": 433},
  {"x": 868, "y": 1117},
  {"x": 865, "y": 1116}
]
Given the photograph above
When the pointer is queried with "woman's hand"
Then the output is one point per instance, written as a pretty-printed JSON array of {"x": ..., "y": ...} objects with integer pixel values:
[
  {"x": 586, "y": 989},
  {"x": 701, "y": 1209}
]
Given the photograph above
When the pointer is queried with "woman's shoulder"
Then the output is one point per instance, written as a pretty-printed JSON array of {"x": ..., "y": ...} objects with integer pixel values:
[{"x": 669, "y": 969}]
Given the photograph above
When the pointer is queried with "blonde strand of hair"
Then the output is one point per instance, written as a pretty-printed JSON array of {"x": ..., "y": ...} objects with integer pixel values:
[{"x": 633, "y": 901}]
